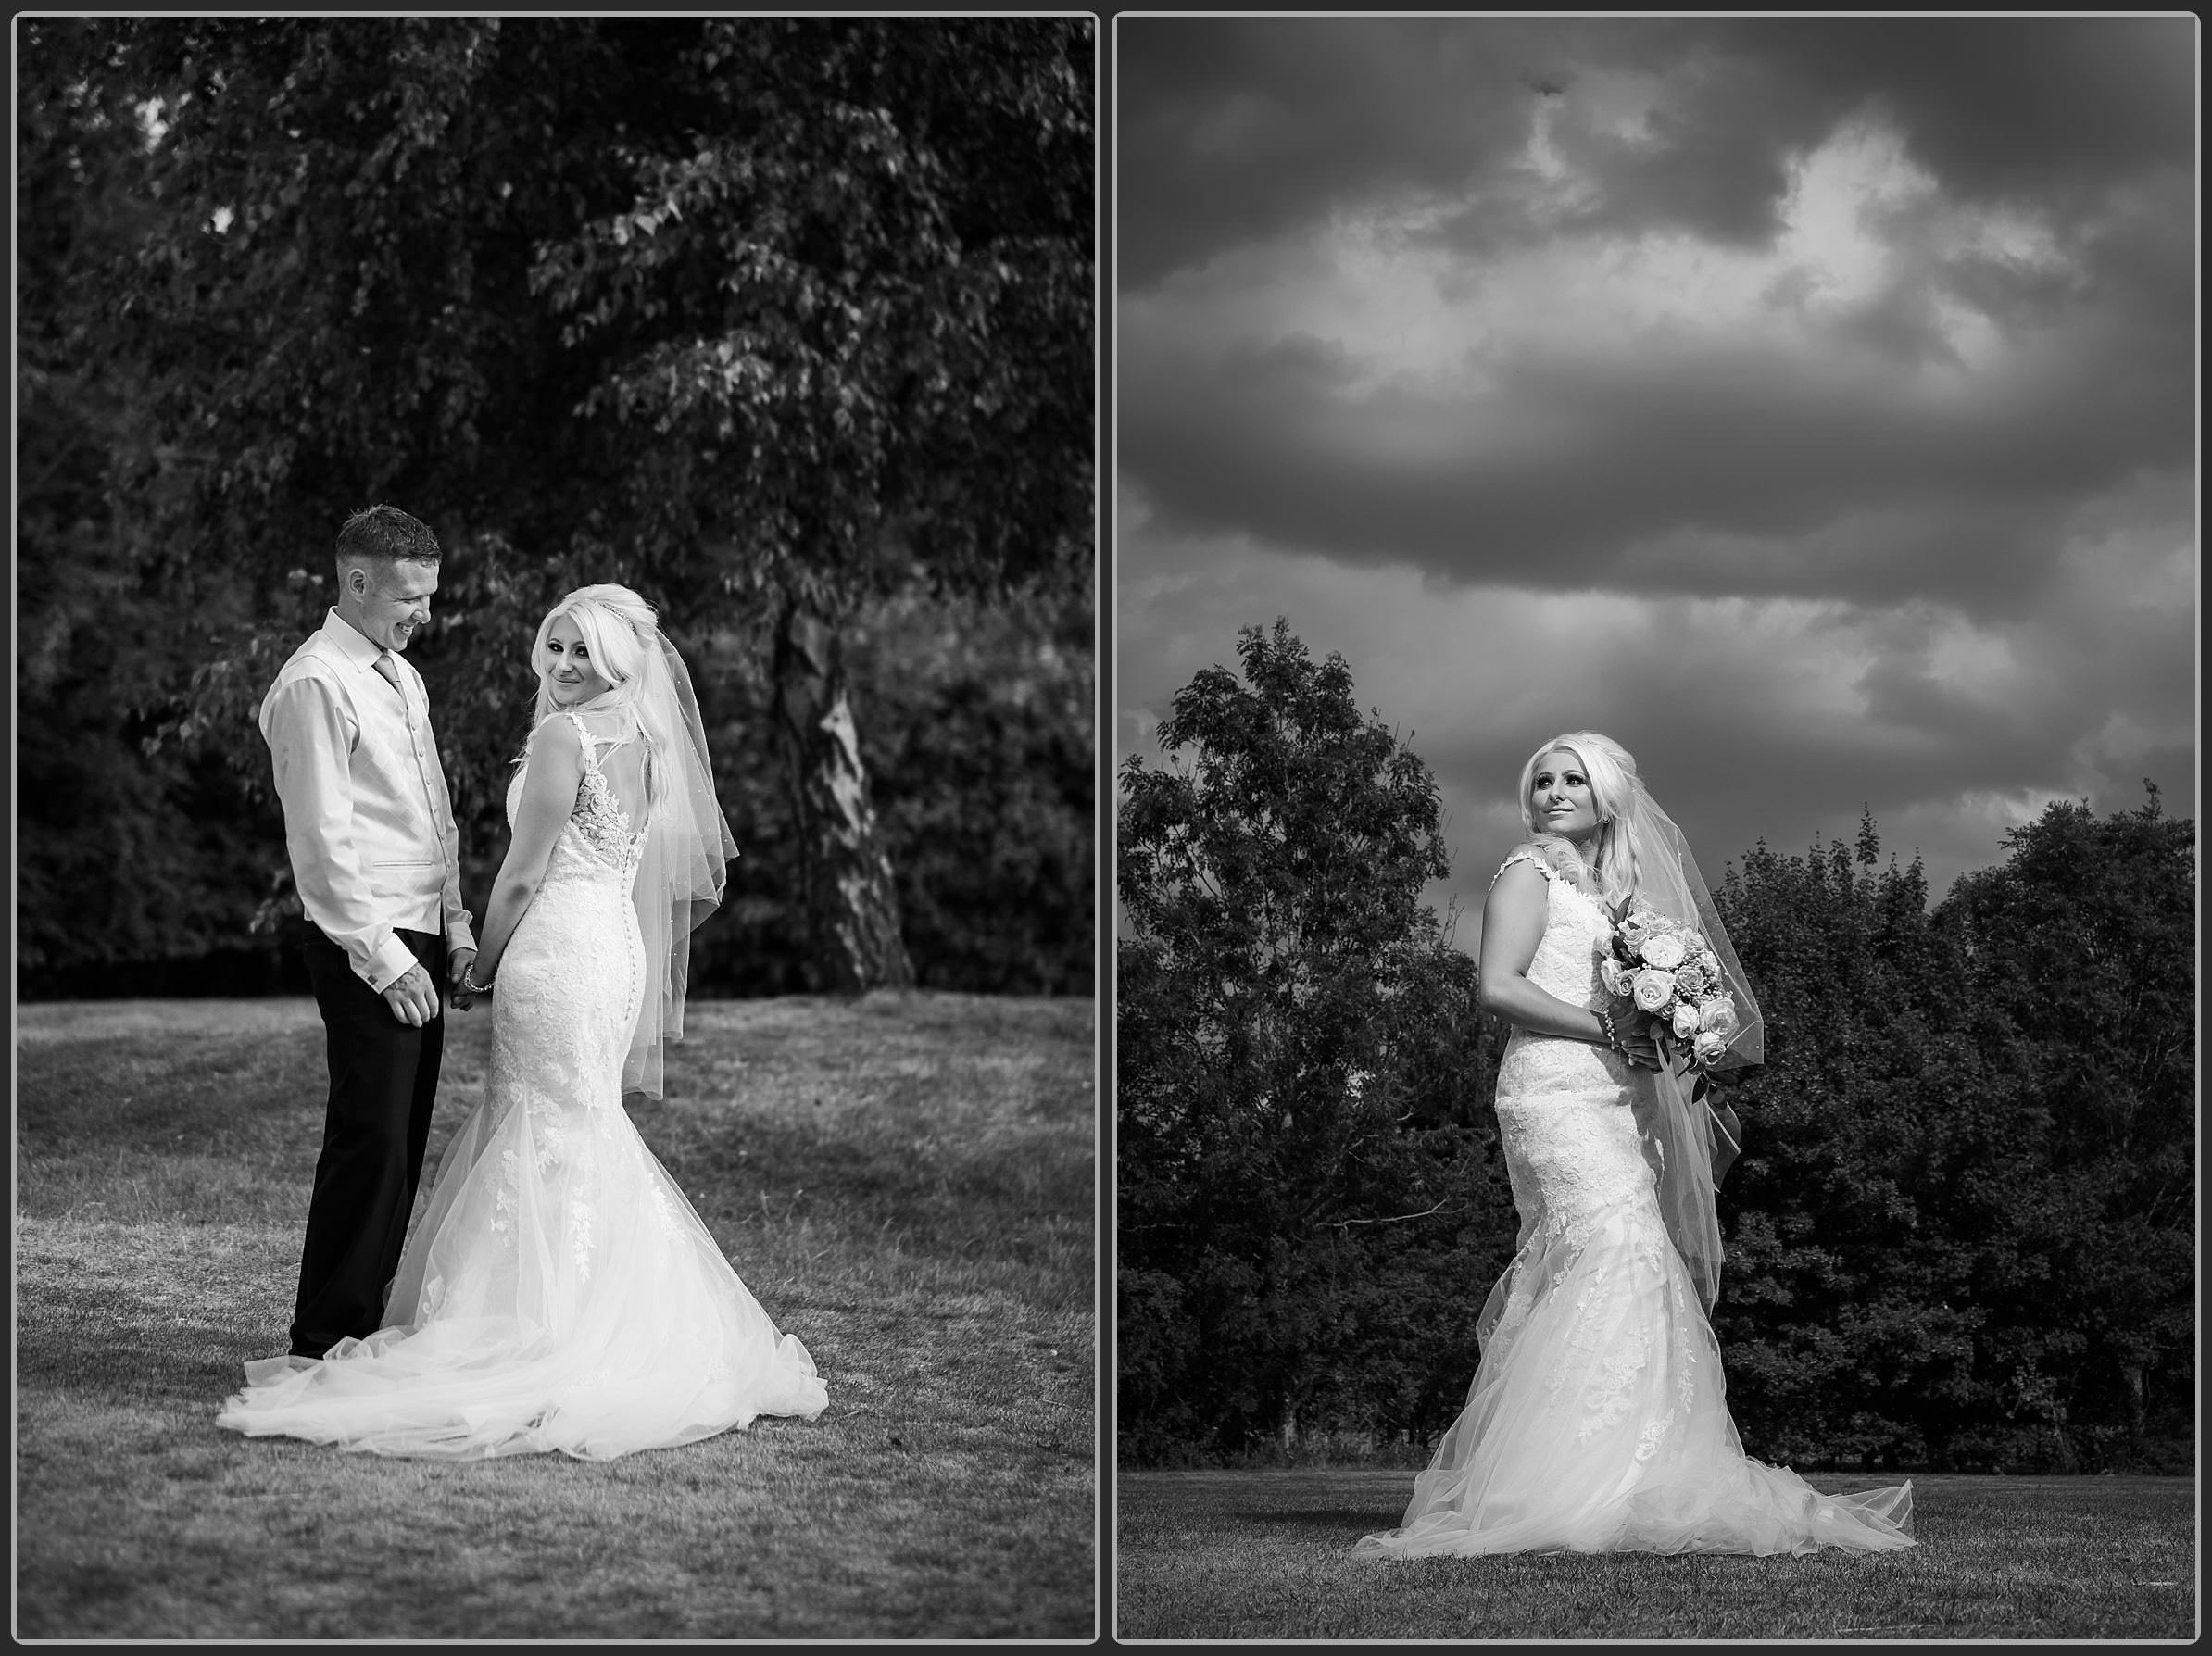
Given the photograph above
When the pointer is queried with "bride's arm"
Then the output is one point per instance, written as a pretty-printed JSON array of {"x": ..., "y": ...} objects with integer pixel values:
[
  {"x": 549, "y": 781},
  {"x": 1513, "y": 925}
]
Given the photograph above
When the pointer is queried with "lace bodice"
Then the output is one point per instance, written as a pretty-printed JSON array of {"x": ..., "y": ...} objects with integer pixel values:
[
  {"x": 597, "y": 825},
  {"x": 1577, "y": 931},
  {"x": 598, "y": 819},
  {"x": 1567, "y": 1108}
]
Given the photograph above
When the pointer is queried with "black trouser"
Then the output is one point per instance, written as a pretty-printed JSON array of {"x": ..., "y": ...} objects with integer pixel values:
[{"x": 383, "y": 1081}]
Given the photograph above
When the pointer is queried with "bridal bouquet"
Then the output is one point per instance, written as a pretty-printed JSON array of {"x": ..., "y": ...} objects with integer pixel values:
[{"x": 1670, "y": 973}]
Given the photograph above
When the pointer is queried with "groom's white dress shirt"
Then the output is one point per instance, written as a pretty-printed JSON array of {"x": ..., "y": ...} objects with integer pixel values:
[{"x": 367, "y": 818}]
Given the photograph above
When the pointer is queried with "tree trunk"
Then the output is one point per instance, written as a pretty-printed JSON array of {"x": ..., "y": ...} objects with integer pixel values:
[
  {"x": 851, "y": 904},
  {"x": 2132, "y": 1374}
]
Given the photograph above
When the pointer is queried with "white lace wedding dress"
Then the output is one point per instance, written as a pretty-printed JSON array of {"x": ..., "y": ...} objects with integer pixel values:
[
  {"x": 1598, "y": 1420},
  {"x": 559, "y": 1293}
]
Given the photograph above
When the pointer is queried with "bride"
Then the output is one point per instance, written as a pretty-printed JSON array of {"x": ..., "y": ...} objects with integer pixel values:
[
  {"x": 560, "y": 1293},
  {"x": 1598, "y": 1420}
]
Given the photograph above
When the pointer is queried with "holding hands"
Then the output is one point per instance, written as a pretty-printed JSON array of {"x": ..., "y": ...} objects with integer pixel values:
[
  {"x": 414, "y": 998},
  {"x": 465, "y": 990}
]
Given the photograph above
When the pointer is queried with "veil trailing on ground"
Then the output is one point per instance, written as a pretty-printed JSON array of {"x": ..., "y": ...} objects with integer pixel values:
[
  {"x": 1696, "y": 1131},
  {"x": 685, "y": 864}
]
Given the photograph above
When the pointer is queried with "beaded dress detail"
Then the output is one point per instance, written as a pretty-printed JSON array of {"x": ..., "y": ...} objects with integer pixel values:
[
  {"x": 1598, "y": 1418},
  {"x": 558, "y": 1291}
]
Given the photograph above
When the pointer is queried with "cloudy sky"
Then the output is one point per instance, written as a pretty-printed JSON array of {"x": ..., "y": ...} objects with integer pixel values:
[{"x": 1809, "y": 404}]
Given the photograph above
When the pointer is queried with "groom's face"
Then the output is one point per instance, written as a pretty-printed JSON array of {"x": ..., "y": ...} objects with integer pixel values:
[{"x": 395, "y": 601}]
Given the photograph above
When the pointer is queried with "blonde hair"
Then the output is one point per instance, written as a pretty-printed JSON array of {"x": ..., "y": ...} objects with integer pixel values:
[
  {"x": 1612, "y": 859},
  {"x": 621, "y": 630},
  {"x": 614, "y": 622}
]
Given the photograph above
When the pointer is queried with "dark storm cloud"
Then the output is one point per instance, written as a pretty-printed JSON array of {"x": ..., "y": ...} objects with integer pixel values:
[
  {"x": 1810, "y": 404},
  {"x": 1700, "y": 464},
  {"x": 2043, "y": 108},
  {"x": 1782, "y": 484},
  {"x": 1233, "y": 129}
]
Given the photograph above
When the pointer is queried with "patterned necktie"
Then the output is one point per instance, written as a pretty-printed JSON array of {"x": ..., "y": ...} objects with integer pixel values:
[{"x": 388, "y": 669}]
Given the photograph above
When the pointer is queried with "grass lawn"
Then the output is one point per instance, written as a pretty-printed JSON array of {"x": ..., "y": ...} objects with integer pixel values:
[
  {"x": 905, "y": 1181},
  {"x": 1265, "y": 1555}
]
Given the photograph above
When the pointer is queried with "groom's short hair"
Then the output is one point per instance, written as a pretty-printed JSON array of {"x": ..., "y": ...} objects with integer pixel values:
[{"x": 382, "y": 535}]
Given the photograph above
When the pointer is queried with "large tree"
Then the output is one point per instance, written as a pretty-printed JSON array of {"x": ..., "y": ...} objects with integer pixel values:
[
  {"x": 766, "y": 316},
  {"x": 2084, "y": 943},
  {"x": 1300, "y": 1149}
]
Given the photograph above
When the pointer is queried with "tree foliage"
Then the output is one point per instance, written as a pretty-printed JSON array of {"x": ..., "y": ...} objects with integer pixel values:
[
  {"x": 119, "y": 855},
  {"x": 1300, "y": 1148},
  {"x": 1961, "y": 1230},
  {"x": 773, "y": 319},
  {"x": 717, "y": 301}
]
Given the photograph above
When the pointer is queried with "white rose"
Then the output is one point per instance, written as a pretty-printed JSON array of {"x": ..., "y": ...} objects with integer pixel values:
[
  {"x": 1710, "y": 1046},
  {"x": 1653, "y": 990},
  {"x": 1664, "y": 951},
  {"x": 1685, "y": 1020},
  {"x": 1609, "y": 973},
  {"x": 1719, "y": 1017}
]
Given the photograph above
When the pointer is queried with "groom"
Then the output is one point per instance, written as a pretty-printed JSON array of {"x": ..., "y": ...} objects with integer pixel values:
[{"x": 376, "y": 857}]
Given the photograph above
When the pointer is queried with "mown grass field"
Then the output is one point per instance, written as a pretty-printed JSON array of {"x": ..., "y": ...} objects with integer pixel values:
[
  {"x": 1266, "y": 1554},
  {"x": 905, "y": 1182}
]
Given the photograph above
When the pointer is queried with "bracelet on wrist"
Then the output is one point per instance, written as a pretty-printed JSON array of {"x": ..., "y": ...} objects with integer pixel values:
[
  {"x": 469, "y": 981},
  {"x": 1612, "y": 1037}
]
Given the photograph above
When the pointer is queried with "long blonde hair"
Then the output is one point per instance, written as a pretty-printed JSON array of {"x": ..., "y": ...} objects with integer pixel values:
[
  {"x": 1612, "y": 857},
  {"x": 621, "y": 631}
]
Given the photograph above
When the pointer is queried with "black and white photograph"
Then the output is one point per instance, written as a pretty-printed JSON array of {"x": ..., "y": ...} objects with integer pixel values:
[
  {"x": 1654, "y": 725},
  {"x": 557, "y": 805}
]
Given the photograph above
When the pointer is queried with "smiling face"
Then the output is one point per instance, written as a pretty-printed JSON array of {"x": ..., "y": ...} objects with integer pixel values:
[
  {"x": 387, "y": 602},
  {"x": 1559, "y": 798},
  {"x": 570, "y": 669}
]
